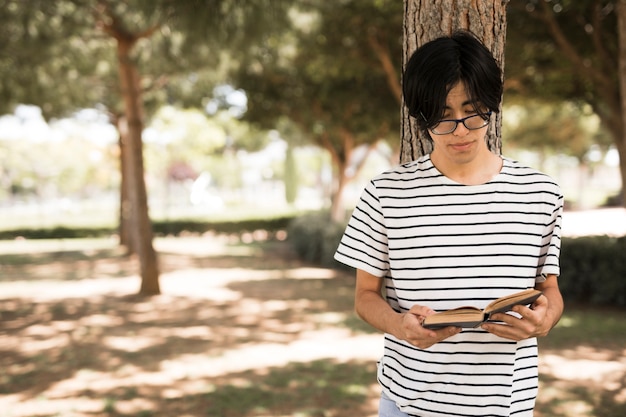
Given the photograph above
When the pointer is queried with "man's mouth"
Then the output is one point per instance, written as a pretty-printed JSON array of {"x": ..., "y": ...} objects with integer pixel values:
[{"x": 461, "y": 146}]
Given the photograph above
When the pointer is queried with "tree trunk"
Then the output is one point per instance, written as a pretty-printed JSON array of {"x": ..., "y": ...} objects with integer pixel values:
[
  {"x": 141, "y": 228},
  {"x": 125, "y": 215},
  {"x": 425, "y": 20},
  {"x": 621, "y": 140}
]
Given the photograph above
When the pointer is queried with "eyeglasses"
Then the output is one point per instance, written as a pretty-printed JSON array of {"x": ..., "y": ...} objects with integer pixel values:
[{"x": 476, "y": 121}]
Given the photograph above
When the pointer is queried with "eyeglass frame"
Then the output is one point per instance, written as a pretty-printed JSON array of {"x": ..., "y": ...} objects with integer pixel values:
[{"x": 484, "y": 116}]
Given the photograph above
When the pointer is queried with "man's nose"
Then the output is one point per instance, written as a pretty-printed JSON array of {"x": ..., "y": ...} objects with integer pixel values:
[{"x": 460, "y": 130}]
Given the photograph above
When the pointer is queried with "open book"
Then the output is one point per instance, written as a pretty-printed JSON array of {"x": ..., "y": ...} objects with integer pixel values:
[{"x": 473, "y": 316}]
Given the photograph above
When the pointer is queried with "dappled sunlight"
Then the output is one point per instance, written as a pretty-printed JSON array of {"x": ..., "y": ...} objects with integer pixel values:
[
  {"x": 585, "y": 364},
  {"x": 92, "y": 347},
  {"x": 134, "y": 343},
  {"x": 234, "y": 334},
  {"x": 581, "y": 381}
]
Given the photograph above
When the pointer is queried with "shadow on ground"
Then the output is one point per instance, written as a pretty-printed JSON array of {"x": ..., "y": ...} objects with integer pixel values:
[
  {"x": 239, "y": 331},
  {"x": 242, "y": 334}
]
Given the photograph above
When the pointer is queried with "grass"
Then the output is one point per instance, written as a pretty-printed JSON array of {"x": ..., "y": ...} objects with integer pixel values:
[
  {"x": 600, "y": 328},
  {"x": 240, "y": 331}
]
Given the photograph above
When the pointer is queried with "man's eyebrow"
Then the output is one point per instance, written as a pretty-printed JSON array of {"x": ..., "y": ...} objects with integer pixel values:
[{"x": 465, "y": 103}]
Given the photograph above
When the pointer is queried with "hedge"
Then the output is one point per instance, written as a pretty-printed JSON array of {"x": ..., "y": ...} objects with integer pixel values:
[
  {"x": 160, "y": 228},
  {"x": 593, "y": 269}
]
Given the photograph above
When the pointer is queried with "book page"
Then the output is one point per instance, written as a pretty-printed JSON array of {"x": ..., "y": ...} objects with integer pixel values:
[{"x": 505, "y": 303}]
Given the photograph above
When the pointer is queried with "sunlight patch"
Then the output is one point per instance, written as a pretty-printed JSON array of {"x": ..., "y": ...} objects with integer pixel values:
[
  {"x": 310, "y": 273},
  {"x": 37, "y": 346},
  {"x": 101, "y": 320},
  {"x": 581, "y": 369},
  {"x": 133, "y": 343},
  {"x": 567, "y": 321}
]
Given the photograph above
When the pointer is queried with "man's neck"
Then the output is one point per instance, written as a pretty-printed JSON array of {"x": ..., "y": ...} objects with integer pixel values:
[{"x": 476, "y": 172}]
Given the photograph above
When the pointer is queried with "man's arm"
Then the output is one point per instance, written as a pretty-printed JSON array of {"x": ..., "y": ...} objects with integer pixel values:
[
  {"x": 374, "y": 310},
  {"x": 535, "y": 321}
]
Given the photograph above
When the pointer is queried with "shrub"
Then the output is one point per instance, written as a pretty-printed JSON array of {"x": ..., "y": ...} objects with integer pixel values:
[
  {"x": 176, "y": 227},
  {"x": 60, "y": 232},
  {"x": 160, "y": 228},
  {"x": 593, "y": 270},
  {"x": 314, "y": 237}
]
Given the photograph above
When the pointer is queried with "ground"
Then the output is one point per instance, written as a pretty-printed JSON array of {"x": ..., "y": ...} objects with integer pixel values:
[{"x": 240, "y": 330}]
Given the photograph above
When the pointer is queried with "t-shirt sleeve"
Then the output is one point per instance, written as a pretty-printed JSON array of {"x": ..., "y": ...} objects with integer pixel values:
[
  {"x": 364, "y": 244},
  {"x": 551, "y": 264}
]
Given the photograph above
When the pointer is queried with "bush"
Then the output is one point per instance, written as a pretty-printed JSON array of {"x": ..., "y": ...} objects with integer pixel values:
[
  {"x": 57, "y": 233},
  {"x": 314, "y": 237},
  {"x": 160, "y": 228},
  {"x": 593, "y": 270},
  {"x": 176, "y": 227}
]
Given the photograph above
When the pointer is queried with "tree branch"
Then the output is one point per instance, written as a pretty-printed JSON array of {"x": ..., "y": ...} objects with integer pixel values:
[
  {"x": 570, "y": 52},
  {"x": 112, "y": 25},
  {"x": 606, "y": 59},
  {"x": 384, "y": 57}
]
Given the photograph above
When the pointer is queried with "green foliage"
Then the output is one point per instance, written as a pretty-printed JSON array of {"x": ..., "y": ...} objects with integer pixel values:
[
  {"x": 564, "y": 50},
  {"x": 314, "y": 237},
  {"x": 55, "y": 54},
  {"x": 552, "y": 128},
  {"x": 537, "y": 65},
  {"x": 51, "y": 56},
  {"x": 176, "y": 227},
  {"x": 603, "y": 328},
  {"x": 324, "y": 72},
  {"x": 593, "y": 270},
  {"x": 60, "y": 232},
  {"x": 161, "y": 228}
]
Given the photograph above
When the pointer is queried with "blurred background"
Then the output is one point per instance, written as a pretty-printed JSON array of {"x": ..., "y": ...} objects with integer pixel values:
[
  {"x": 272, "y": 107},
  {"x": 233, "y": 139}
]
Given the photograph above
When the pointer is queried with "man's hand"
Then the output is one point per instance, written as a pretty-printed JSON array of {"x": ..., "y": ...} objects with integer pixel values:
[
  {"x": 530, "y": 322},
  {"x": 411, "y": 329}
]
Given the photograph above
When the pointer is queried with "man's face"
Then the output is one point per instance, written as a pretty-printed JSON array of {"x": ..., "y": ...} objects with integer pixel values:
[{"x": 461, "y": 146}]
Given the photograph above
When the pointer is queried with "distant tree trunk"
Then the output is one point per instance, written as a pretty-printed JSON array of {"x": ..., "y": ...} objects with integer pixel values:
[
  {"x": 125, "y": 220},
  {"x": 141, "y": 232},
  {"x": 341, "y": 158},
  {"x": 425, "y": 20},
  {"x": 130, "y": 129},
  {"x": 621, "y": 144},
  {"x": 291, "y": 175}
]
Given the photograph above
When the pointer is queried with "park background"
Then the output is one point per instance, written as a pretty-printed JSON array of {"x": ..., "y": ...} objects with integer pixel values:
[{"x": 253, "y": 318}]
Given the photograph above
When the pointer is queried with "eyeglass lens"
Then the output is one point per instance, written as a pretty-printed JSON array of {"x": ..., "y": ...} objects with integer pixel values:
[{"x": 472, "y": 123}]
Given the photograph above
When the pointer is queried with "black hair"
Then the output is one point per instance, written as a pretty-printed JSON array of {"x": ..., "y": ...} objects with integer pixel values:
[{"x": 437, "y": 66}]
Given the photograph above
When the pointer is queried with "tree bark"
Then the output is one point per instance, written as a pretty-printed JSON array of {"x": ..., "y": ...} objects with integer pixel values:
[
  {"x": 620, "y": 142},
  {"x": 425, "y": 20},
  {"x": 141, "y": 233},
  {"x": 125, "y": 215},
  {"x": 341, "y": 159},
  {"x": 131, "y": 146}
]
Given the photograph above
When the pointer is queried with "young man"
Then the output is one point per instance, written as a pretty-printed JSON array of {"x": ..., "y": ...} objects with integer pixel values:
[{"x": 460, "y": 226}]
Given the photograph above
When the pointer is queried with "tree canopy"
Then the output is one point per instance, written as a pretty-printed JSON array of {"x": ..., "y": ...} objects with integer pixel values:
[
  {"x": 335, "y": 73},
  {"x": 564, "y": 50}
]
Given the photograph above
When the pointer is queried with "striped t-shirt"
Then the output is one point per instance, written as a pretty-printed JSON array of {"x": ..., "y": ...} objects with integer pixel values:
[{"x": 442, "y": 244}]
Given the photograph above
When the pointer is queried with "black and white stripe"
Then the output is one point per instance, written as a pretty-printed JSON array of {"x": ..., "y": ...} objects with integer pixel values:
[{"x": 444, "y": 245}]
